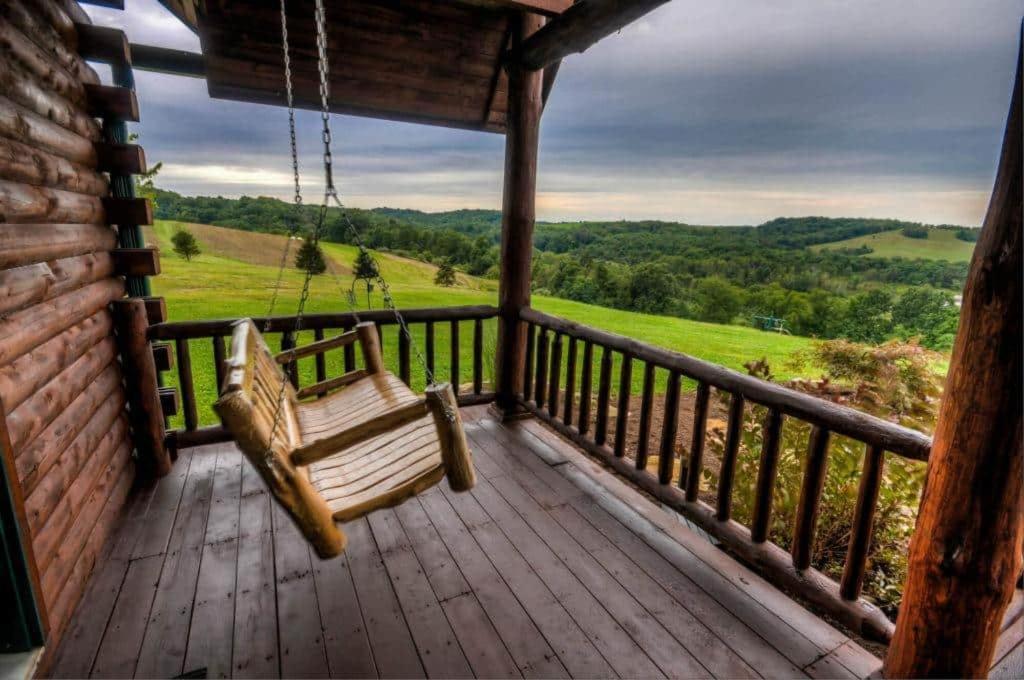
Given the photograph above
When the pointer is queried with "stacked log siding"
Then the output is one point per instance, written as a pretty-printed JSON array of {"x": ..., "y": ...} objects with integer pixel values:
[{"x": 63, "y": 401}]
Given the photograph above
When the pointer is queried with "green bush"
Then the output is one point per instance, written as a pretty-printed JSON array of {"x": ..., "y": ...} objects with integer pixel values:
[
  {"x": 915, "y": 232},
  {"x": 968, "y": 235},
  {"x": 895, "y": 381}
]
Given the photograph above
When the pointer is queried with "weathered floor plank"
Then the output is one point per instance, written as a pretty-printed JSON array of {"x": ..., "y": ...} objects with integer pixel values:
[
  {"x": 254, "y": 648},
  {"x": 166, "y": 632},
  {"x": 551, "y": 567},
  {"x": 302, "y": 651},
  {"x": 439, "y": 649},
  {"x": 666, "y": 592}
]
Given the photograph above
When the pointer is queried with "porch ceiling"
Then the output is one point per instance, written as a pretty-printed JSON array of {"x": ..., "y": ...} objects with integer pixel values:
[{"x": 415, "y": 60}]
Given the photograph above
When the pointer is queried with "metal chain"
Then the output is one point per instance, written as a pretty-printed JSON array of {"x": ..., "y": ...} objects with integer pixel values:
[
  {"x": 330, "y": 192},
  {"x": 297, "y": 200},
  {"x": 304, "y": 296}
]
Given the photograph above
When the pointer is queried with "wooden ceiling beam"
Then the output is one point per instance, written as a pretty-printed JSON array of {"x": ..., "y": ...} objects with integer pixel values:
[
  {"x": 164, "y": 60},
  {"x": 548, "y": 8},
  {"x": 185, "y": 10},
  {"x": 579, "y": 27}
]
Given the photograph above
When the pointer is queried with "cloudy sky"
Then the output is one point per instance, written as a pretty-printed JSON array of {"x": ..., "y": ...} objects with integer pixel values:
[{"x": 724, "y": 112}]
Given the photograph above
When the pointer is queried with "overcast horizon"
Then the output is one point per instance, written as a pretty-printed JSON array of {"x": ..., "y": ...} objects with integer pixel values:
[{"x": 706, "y": 113}]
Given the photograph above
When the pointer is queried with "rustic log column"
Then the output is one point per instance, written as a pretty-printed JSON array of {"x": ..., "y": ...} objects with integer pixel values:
[
  {"x": 141, "y": 386},
  {"x": 518, "y": 212},
  {"x": 966, "y": 551}
]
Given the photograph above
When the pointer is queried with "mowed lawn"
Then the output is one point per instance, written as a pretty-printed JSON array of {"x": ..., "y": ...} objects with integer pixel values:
[
  {"x": 234, "y": 277},
  {"x": 941, "y": 244}
]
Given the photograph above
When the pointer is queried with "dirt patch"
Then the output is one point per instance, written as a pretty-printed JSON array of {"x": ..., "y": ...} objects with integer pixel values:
[
  {"x": 718, "y": 414},
  {"x": 250, "y": 247}
]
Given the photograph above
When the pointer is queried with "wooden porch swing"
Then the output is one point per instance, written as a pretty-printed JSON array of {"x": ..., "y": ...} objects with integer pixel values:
[
  {"x": 371, "y": 444},
  {"x": 367, "y": 441}
]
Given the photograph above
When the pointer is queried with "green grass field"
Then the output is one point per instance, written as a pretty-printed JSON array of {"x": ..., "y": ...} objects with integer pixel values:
[
  {"x": 941, "y": 244},
  {"x": 234, "y": 277}
]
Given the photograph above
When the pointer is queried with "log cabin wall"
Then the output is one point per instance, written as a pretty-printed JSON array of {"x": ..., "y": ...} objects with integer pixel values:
[{"x": 65, "y": 429}]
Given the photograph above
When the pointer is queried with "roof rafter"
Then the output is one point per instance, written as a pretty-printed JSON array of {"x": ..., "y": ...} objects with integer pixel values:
[
  {"x": 579, "y": 27},
  {"x": 549, "y": 8}
]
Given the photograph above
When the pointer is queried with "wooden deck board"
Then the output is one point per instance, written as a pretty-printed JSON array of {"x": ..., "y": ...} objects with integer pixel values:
[{"x": 550, "y": 567}]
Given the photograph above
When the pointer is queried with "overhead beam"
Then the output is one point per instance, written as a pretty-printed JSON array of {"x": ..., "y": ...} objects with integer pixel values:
[
  {"x": 549, "y": 8},
  {"x": 185, "y": 10},
  {"x": 165, "y": 60},
  {"x": 579, "y": 27}
]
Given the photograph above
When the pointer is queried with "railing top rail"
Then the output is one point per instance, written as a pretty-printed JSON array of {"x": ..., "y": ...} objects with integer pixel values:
[
  {"x": 837, "y": 418},
  {"x": 170, "y": 330}
]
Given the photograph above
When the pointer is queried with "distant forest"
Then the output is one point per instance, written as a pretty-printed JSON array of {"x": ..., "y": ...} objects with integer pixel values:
[{"x": 715, "y": 274}]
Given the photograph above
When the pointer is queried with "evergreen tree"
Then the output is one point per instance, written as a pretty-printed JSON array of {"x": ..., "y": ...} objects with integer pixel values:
[
  {"x": 185, "y": 244},
  {"x": 445, "y": 275},
  {"x": 310, "y": 258},
  {"x": 364, "y": 269}
]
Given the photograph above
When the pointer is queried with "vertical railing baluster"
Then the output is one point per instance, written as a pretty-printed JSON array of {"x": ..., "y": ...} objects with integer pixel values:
[
  {"x": 403, "y": 357},
  {"x": 622, "y": 417},
  {"x": 554, "y": 375},
  {"x": 570, "y": 382},
  {"x": 321, "y": 359},
  {"x": 478, "y": 356},
  {"x": 349, "y": 352},
  {"x": 604, "y": 388},
  {"x": 646, "y": 406},
  {"x": 863, "y": 519},
  {"x": 454, "y": 350},
  {"x": 586, "y": 379},
  {"x": 540, "y": 382},
  {"x": 528, "y": 364},
  {"x": 188, "y": 392},
  {"x": 733, "y": 436},
  {"x": 219, "y": 355},
  {"x": 810, "y": 497},
  {"x": 292, "y": 369},
  {"x": 767, "y": 470},
  {"x": 700, "y": 422},
  {"x": 429, "y": 349},
  {"x": 670, "y": 424}
]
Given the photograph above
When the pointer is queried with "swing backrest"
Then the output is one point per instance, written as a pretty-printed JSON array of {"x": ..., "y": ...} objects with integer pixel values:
[
  {"x": 247, "y": 407},
  {"x": 251, "y": 370}
]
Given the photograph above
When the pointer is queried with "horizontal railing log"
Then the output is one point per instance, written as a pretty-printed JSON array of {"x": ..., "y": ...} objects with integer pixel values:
[
  {"x": 324, "y": 328},
  {"x": 836, "y": 418},
  {"x": 172, "y": 330},
  {"x": 540, "y": 395}
]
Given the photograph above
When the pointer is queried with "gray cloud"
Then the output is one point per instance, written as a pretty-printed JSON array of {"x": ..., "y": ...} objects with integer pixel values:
[{"x": 725, "y": 112}]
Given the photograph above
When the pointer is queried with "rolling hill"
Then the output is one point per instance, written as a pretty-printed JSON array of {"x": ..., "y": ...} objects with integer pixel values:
[{"x": 941, "y": 244}]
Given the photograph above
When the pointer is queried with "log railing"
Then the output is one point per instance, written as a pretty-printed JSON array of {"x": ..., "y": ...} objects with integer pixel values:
[
  {"x": 552, "y": 341},
  {"x": 424, "y": 324}
]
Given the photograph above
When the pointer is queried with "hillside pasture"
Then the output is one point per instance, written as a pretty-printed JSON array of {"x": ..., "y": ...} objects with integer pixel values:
[{"x": 941, "y": 244}]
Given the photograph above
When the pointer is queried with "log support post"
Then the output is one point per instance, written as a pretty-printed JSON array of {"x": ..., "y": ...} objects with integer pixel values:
[
  {"x": 145, "y": 409},
  {"x": 518, "y": 212},
  {"x": 965, "y": 555}
]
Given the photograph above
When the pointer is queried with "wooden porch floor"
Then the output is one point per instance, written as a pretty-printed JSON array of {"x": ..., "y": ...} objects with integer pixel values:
[{"x": 551, "y": 567}]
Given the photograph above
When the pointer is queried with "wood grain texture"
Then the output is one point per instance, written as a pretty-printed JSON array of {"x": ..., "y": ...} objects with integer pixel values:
[
  {"x": 545, "y": 570},
  {"x": 23, "y": 244},
  {"x": 517, "y": 220}
]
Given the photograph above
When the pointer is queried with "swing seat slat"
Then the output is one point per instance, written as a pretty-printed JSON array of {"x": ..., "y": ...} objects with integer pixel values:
[{"x": 371, "y": 444}]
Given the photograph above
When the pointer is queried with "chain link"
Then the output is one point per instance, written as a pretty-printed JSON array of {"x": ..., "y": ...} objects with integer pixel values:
[{"x": 330, "y": 193}]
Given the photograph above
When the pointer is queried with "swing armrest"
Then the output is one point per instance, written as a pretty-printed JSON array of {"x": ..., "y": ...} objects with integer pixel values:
[
  {"x": 318, "y": 347},
  {"x": 325, "y": 386},
  {"x": 332, "y": 444}
]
